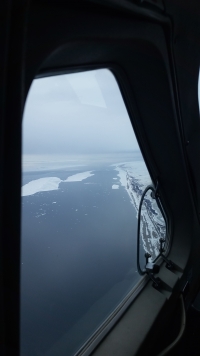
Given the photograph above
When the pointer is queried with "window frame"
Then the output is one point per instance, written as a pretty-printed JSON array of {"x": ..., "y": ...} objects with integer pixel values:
[{"x": 99, "y": 334}]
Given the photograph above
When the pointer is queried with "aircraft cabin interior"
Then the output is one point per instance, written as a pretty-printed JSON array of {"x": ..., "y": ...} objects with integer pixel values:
[{"x": 100, "y": 177}]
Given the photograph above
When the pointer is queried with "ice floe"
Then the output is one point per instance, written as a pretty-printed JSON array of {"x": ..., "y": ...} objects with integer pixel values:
[
  {"x": 115, "y": 186},
  {"x": 51, "y": 183},
  {"x": 79, "y": 177},
  {"x": 40, "y": 185}
]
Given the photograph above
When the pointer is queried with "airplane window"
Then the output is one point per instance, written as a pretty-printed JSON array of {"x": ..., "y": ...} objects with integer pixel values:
[{"x": 82, "y": 180}]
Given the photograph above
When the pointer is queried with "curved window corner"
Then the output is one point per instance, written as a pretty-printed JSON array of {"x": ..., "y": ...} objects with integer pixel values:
[{"x": 83, "y": 177}]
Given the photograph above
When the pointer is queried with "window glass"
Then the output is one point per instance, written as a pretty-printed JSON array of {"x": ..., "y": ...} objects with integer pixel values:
[{"x": 82, "y": 180}]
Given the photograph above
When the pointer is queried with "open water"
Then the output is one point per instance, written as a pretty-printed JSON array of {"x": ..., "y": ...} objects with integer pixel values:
[{"x": 78, "y": 259}]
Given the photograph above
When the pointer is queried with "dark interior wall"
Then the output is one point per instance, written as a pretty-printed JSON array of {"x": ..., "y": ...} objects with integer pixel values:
[
  {"x": 75, "y": 35},
  {"x": 187, "y": 55},
  {"x": 186, "y": 45},
  {"x": 12, "y": 25}
]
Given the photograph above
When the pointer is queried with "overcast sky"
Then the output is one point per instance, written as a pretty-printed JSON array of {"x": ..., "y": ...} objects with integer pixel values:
[{"x": 76, "y": 113}]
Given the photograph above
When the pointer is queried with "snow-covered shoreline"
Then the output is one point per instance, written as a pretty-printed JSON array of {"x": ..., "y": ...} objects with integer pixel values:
[{"x": 134, "y": 177}]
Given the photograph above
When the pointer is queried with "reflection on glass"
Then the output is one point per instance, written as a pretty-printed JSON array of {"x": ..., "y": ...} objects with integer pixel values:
[{"x": 83, "y": 175}]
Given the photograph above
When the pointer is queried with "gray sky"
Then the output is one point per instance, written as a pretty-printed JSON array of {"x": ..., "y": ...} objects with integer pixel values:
[{"x": 76, "y": 113}]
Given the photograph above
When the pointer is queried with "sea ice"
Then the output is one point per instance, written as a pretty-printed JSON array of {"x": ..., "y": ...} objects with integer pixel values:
[
  {"x": 51, "y": 183},
  {"x": 115, "y": 186},
  {"x": 79, "y": 177},
  {"x": 40, "y": 185}
]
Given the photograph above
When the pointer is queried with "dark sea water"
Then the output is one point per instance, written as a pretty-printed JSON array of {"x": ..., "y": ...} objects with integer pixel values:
[{"x": 78, "y": 260}]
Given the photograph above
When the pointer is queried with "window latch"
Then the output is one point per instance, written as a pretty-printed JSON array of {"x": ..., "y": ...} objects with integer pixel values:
[
  {"x": 169, "y": 264},
  {"x": 151, "y": 269}
]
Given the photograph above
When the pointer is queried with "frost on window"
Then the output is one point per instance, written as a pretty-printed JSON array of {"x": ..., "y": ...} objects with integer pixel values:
[{"x": 82, "y": 180}]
